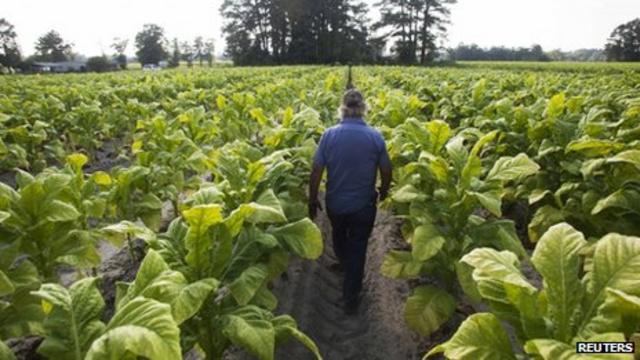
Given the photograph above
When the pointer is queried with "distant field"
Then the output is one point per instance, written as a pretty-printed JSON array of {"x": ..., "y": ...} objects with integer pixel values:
[
  {"x": 209, "y": 168},
  {"x": 552, "y": 66}
]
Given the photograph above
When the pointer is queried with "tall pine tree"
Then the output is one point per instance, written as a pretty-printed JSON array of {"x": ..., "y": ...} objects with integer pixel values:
[
  {"x": 296, "y": 31},
  {"x": 414, "y": 26}
]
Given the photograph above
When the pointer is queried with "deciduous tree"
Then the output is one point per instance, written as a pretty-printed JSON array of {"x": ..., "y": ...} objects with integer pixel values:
[
  {"x": 9, "y": 50},
  {"x": 624, "y": 42},
  {"x": 151, "y": 44},
  {"x": 51, "y": 47}
]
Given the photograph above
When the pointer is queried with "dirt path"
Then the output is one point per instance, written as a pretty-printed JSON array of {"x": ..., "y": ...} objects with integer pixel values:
[{"x": 312, "y": 295}]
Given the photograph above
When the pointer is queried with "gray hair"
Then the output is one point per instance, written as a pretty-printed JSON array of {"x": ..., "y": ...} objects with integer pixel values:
[{"x": 353, "y": 104}]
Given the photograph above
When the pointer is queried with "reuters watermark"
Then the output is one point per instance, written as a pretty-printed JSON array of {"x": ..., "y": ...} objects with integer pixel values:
[{"x": 605, "y": 348}]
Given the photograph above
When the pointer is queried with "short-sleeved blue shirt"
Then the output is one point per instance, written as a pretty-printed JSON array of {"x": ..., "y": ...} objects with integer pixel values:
[{"x": 352, "y": 152}]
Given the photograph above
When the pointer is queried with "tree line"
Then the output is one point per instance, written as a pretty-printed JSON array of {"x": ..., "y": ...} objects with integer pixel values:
[
  {"x": 263, "y": 32},
  {"x": 473, "y": 52},
  {"x": 407, "y": 32},
  {"x": 152, "y": 47},
  {"x": 330, "y": 31}
]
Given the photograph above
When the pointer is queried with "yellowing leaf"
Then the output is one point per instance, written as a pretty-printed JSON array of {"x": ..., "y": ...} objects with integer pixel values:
[
  {"x": 258, "y": 115},
  {"x": 221, "y": 101},
  {"x": 287, "y": 116},
  {"x": 77, "y": 160},
  {"x": 203, "y": 216},
  {"x": 136, "y": 146},
  {"x": 102, "y": 178},
  {"x": 47, "y": 307}
]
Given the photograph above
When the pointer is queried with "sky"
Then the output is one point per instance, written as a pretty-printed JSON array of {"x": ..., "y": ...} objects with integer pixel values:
[{"x": 554, "y": 24}]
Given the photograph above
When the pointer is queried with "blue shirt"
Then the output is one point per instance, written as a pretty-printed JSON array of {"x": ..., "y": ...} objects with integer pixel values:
[{"x": 352, "y": 152}]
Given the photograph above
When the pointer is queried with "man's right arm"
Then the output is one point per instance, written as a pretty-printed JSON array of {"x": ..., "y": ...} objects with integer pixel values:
[
  {"x": 314, "y": 185},
  {"x": 319, "y": 163},
  {"x": 386, "y": 172}
]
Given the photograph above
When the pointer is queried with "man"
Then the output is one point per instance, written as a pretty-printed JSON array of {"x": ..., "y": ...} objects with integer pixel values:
[{"x": 352, "y": 152}]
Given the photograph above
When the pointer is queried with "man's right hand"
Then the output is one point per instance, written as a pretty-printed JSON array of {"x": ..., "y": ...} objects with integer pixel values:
[
  {"x": 314, "y": 205},
  {"x": 382, "y": 194}
]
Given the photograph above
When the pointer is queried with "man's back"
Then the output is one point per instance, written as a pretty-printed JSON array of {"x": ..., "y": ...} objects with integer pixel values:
[{"x": 352, "y": 152}]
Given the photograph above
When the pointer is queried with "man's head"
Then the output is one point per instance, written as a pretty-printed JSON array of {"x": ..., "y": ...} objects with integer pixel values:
[{"x": 353, "y": 104}]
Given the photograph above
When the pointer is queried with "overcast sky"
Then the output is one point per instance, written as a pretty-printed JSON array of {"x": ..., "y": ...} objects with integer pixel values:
[{"x": 564, "y": 24}]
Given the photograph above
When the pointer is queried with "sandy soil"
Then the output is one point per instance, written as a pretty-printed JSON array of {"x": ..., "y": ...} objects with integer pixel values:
[{"x": 311, "y": 293}]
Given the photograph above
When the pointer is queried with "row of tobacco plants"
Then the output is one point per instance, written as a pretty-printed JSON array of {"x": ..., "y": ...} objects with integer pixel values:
[
  {"x": 224, "y": 155},
  {"x": 207, "y": 168},
  {"x": 566, "y": 148}
]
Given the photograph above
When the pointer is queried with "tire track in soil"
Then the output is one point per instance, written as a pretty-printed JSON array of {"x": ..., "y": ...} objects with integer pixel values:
[{"x": 311, "y": 293}]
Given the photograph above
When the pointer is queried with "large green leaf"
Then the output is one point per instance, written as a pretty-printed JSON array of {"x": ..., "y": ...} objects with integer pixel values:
[
  {"x": 23, "y": 315},
  {"x": 493, "y": 269},
  {"x": 615, "y": 265},
  {"x": 482, "y": 141},
  {"x": 154, "y": 280},
  {"x": 426, "y": 242},
  {"x": 499, "y": 234},
  {"x": 464, "y": 273},
  {"x": 500, "y": 282},
  {"x": 74, "y": 319},
  {"x": 428, "y": 308},
  {"x": 620, "y": 312},
  {"x": 248, "y": 283},
  {"x": 200, "y": 218},
  {"x": 630, "y": 157},
  {"x": 407, "y": 194},
  {"x": 266, "y": 209},
  {"x": 479, "y": 337},
  {"x": 490, "y": 200},
  {"x": 247, "y": 328},
  {"x": 142, "y": 327},
  {"x": 191, "y": 298},
  {"x": 543, "y": 219},
  {"x": 557, "y": 259},
  {"x": 285, "y": 326},
  {"x": 6, "y": 287},
  {"x": 5, "y": 352},
  {"x": 400, "y": 265},
  {"x": 513, "y": 168},
  {"x": 58, "y": 211},
  {"x": 117, "y": 233},
  {"x": 625, "y": 199},
  {"x": 439, "y": 134},
  {"x": 594, "y": 147},
  {"x": 4, "y": 216},
  {"x": 549, "y": 349},
  {"x": 555, "y": 106},
  {"x": 303, "y": 238}
]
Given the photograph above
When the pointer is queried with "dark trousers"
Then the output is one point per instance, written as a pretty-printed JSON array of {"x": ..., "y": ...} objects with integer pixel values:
[{"x": 350, "y": 234}]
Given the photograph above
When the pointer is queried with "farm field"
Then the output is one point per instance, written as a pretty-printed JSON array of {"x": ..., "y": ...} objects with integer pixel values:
[{"x": 163, "y": 215}]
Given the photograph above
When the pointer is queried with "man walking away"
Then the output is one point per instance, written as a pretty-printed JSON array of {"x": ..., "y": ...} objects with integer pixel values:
[{"x": 352, "y": 152}]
